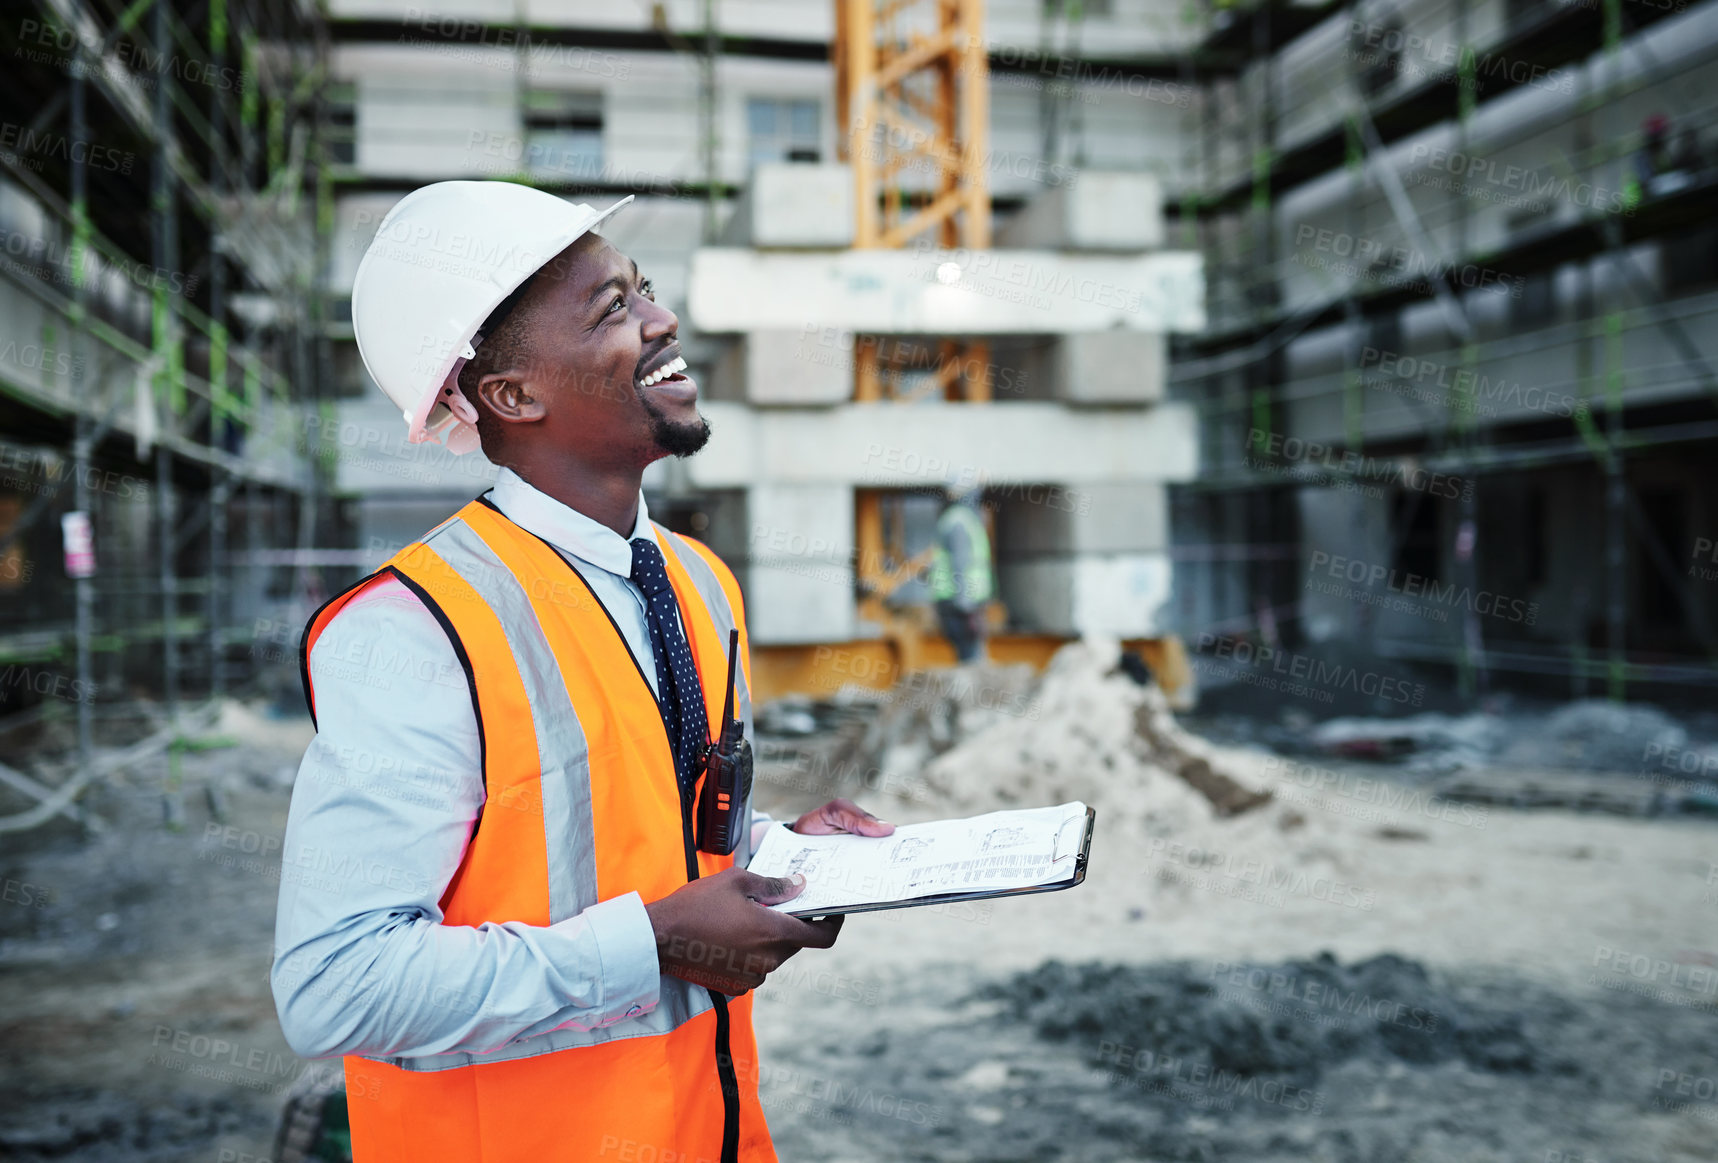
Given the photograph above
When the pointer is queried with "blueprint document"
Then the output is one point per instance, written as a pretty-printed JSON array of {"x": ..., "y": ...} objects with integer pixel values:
[{"x": 993, "y": 852}]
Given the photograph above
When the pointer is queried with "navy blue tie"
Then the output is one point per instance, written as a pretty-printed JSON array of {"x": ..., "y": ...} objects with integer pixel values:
[{"x": 679, "y": 695}]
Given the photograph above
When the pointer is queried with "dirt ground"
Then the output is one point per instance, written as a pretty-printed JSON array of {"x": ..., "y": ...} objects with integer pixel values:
[{"x": 1347, "y": 974}]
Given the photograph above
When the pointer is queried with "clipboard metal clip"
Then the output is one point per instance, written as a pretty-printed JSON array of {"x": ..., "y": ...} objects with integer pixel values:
[{"x": 1070, "y": 839}]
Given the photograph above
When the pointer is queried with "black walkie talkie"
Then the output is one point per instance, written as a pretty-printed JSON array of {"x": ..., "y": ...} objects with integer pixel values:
[{"x": 727, "y": 775}]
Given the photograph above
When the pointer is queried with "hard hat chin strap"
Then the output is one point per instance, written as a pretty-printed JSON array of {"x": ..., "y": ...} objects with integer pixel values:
[
  {"x": 454, "y": 399},
  {"x": 462, "y": 436}
]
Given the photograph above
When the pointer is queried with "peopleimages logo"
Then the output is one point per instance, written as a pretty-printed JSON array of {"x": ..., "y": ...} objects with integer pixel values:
[
  {"x": 144, "y": 62},
  {"x": 24, "y": 139},
  {"x": 882, "y": 140},
  {"x": 1304, "y": 671},
  {"x": 1357, "y": 256},
  {"x": 1199, "y": 1083},
  {"x": 1311, "y": 993},
  {"x": 1464, "y": 384},
  {"x": 1402, "y": 473},
  {"x": 1477, "y": 171},
  {"x": 1413, "y": 585},
  {"x": 1384, "y": 38}
]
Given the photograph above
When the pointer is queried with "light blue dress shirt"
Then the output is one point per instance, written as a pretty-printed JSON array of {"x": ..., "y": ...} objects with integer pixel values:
[{"x": 388, "y": 795}]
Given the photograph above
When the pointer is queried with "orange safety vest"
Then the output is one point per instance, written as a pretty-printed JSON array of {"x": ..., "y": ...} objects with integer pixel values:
[{"x": 582, "y": 805}]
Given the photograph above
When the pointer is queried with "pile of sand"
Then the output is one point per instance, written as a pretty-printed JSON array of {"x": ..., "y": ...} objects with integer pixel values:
[{"x": 993, "y": 737}]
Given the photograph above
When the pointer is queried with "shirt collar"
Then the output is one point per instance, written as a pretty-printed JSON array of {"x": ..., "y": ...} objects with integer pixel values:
[{"x": 566, "y": 528}]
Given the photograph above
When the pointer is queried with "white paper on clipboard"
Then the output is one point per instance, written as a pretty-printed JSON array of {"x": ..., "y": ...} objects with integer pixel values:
[{"x": 995, "y": 852}]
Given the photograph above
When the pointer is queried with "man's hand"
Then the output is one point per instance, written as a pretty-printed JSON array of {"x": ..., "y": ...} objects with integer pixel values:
[
  {"x": 716, "y": 932},
  {"x": 841, "y": 816}
]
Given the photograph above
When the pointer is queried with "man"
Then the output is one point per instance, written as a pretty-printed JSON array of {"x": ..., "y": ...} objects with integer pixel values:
[
  {"x": 493, "y": 900},
  {"x": 960, "y": 578}
]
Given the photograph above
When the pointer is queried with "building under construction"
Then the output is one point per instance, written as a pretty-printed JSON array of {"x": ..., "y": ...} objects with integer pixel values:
[
  {"x": 1456, "y": 390},
  {"x": 1329, "y": 362},
  {"x": 163, "y": 201},
  {"x": 1353, "y": 328},
  {"x": 909, "y": 245}
]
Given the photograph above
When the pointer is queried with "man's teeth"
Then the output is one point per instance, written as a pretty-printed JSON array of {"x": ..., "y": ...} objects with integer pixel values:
[{"x": 676, "y": 364}]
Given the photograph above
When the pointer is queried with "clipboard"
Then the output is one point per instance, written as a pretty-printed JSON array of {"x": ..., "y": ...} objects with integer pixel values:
[{"x": 1082, "y": 856}]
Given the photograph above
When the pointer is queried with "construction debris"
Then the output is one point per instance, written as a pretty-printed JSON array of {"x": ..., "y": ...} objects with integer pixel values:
[
  {"x": 1581, "y": 792},
  {"x": 1430, "y": 741},
  {"x": 1598, "y": 735},
  {"x": 1527, "y": 759},
  {"x": 1306, "y": 1058},
  {"x": 982, "y": 737},
  {"x": 1190, "y": 757},
  {"x": 61, "y": 799}
]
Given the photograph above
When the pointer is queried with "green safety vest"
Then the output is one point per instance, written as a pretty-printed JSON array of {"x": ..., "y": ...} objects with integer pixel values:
[{"x": 978, "y": 585}]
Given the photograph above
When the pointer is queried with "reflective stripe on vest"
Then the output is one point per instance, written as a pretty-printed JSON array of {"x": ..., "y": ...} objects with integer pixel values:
[{"x": 582, "y": 805}]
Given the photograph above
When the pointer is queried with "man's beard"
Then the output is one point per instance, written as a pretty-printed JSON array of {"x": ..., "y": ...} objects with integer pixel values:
[{"x": 673, "y": 438}]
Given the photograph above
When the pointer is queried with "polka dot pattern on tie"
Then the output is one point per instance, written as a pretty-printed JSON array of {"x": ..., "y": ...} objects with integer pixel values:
[{"x": 679, "y": 694}]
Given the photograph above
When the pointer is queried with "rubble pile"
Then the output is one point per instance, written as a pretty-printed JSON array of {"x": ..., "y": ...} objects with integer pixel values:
[
  {"x": 1294, "y": 1020},
  {"x": 1597, "y": 735},
  {"x": 982, "y": 738},
  {"x": 1588, "y": 735}
]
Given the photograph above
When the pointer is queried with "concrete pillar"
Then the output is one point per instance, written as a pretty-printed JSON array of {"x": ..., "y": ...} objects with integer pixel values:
[
  {"x": 1107, "y": 367},
  {"x": 1086, "y": 559},
  {"x": 800, "y": 563},
  {"x": 1098, "y": 212},
  {"x": 798, "y": 366},
  {"x": 794, "y": 204},
  {"x": 1126, "y": 595}
]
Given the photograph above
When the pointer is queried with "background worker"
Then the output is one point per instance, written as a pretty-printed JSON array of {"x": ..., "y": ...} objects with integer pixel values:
[
  {"x": 961, "y": 578},
  {"x": 493, "y": 901}
]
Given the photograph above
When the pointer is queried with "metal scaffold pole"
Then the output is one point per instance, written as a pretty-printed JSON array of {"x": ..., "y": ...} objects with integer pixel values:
[
  {"x": 710, "y": 130},
  {"x": 169, "y": 387},
  {"x": 82, "y": 438},
  {"x": 1471, "y": 667},
  {"x": 220, "y": 484},
  {"x": 1616, "y": 486}
]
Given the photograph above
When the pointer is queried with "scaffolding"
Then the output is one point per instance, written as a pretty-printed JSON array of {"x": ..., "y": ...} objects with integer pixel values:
[
  {"x": 1298, "y": 99},
  {"x": 163, "y": 206}
]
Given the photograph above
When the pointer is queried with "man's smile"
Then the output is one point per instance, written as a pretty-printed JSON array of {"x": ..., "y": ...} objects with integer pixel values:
[{"x": 663, "y": 376}]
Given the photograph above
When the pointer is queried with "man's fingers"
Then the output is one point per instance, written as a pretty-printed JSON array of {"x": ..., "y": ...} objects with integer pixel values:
[
  {"x": 869, "y": 825},
  {"x": 842, "y": 815},
  {"x": 772, "y": 890},
  {"x": 822, "y": 933}
]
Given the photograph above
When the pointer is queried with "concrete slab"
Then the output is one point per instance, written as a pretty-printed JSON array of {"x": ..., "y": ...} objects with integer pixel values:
[
  {"x": 1110, "y": 367},
  {"x": 946, "y": 292},
  {"x": 1100, "y": 517},
  {"x": 1124, "y": 595},
  {"x": 919, "y": 445},
  {"x": 1099, "y": 212},
  {"x": 783, "y": 367},
  {"x": 800, "y": 564},
  {"x": 794, "y": 204}
]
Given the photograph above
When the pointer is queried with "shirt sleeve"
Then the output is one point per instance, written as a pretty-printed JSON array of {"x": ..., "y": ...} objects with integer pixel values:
[
  {"x": 386, "y": 799},
  {"x": 759, "y": 821},
  {"x": 760, "y": 824}
]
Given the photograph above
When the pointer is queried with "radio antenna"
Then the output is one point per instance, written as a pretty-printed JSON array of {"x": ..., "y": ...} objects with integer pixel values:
[{"x": 728, "y": 703}]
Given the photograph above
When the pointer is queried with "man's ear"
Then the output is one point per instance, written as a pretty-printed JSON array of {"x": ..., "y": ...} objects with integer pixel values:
[{"x": 506, "y": 397}]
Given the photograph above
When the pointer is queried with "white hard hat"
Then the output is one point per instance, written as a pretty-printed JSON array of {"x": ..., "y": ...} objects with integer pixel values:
[{"x": 445, "y": 257}]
